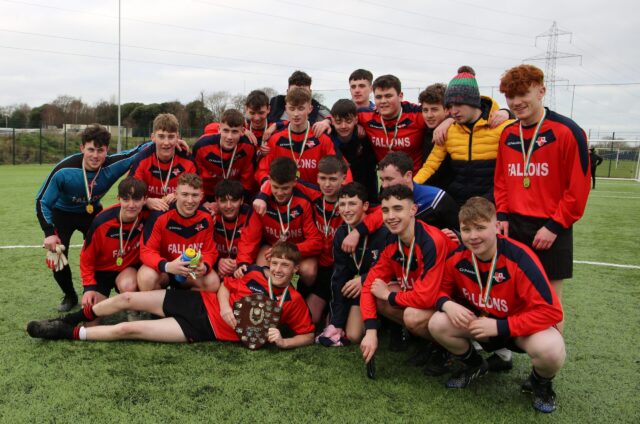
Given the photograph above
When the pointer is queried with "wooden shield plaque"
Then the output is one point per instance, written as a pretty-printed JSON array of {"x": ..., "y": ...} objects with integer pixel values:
[{"x": 255, "y": 314}]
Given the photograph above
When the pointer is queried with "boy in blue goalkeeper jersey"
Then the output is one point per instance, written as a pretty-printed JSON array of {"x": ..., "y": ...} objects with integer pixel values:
[{"x": 70, "y": 197}]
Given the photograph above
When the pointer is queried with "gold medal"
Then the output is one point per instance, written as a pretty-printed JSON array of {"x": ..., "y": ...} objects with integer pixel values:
[
  {"x": 119, "y": 261},
  {"x": 89, "y": 208},
  {"x": 526, "y": 182},
  {"x": 298, "y": 174}
]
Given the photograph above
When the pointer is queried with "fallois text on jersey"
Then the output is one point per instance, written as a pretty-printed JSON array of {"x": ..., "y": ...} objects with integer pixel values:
[
  {"x": 535, "y": 169},
  {"x": 178, "y": 248},
  {"x": 128, "y": 249},
  {"x": 398, "y": 142},
  {"x": 492, "y": 303}
]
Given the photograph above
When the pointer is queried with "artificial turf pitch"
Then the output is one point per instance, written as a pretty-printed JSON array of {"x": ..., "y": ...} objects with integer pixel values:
[{"x": 72, "y": 382}]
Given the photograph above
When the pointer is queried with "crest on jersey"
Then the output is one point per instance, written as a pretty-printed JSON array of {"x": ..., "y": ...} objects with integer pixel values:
[{"x": 541, "y": 141}]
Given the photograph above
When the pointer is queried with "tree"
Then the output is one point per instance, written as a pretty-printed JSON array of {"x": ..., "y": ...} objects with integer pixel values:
[
  {"x": 216, "y": 102},
  {"x": 143, "y": 117},
  {"x": 19, "y": 118},
  {"x": 106, "y": 113},
  {"x": 270, "y": 91},
  {"x": 238, "y": 101},
  {"x": 35, "y": 117},
  {"x": 197, "y": 115},
  {"x": 125, "y": 110}
]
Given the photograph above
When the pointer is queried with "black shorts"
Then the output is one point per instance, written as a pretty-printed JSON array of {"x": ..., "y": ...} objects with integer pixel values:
[
  {"x": 558, "y": 260},
  {"x": 107, "y": 280},
  {"x": 500, "y": 342},
  {"x": 322, "y": 285},
  {"x": 187, "y": 308}
]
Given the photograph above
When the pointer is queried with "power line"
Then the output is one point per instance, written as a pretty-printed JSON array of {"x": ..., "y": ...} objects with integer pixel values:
[
  {"x": 352, "y": 31},
  {"x": 450, "y": 21},
  {"x": 404, "y": 25},
  {"x": 485, "y": 8},
  {"x": 235, "y": 71},
  {"x": 237, "y": 35}
]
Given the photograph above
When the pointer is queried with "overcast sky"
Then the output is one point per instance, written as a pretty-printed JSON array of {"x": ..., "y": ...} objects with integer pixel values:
[{"x": 176, "y": 49}]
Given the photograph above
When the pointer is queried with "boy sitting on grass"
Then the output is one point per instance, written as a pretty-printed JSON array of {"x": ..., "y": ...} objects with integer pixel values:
[{"x": 194, "y": 316}]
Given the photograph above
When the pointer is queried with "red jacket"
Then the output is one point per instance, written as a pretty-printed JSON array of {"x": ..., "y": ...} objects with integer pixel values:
[
  {"x": 409, "y": 139},
  {"x": 425, "y": 271},
  {"x": 559, "y": 173},
  {"x": 102, "y": 243},
  {"x": 213, "y": 163},
  {"x": 153, "y": 172},
  {"x": 301, "y": 226},
  {"x": 295, "y": 314},
  {"x": 168, "y": 234},
  {"x": 521, "y": 298},
  {"x": 316, "y": 149}
]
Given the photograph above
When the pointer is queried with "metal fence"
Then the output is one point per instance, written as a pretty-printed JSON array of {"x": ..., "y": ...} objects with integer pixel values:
[{"x": 22, "y": 146}]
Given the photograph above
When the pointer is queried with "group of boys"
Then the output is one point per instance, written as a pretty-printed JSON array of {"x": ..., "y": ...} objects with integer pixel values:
[{"x": 326, "y": 213}]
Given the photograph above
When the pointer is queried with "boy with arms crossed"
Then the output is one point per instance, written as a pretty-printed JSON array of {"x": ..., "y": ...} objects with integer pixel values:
[
  {"x": 191, "y": 316},
  {"x": 350, "y": 270},
  {"x": 168, "y": 234},
  {"x": 495, "y": 291},
  {"x": 110, "y": 255},
  {"x": 160, "y": 165}
]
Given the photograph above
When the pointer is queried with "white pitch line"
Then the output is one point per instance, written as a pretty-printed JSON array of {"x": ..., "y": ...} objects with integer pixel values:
[
  {"x": 575, "y": 262},
  {"x": 607, "y": 264},
  {"x": 614, "y": 197}
]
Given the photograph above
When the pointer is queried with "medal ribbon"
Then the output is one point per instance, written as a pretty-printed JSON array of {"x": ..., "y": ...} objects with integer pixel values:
[
  {"x": 165, "y": 183},
  {"x": 273, "y": 297},
  {"x": 284, "y": 230},
  {"x": 526, "y": 157},
  {"x": 304, "y": 144},
  {"x": 233, "y": 236},
  {"x": 358, "y": 263},
  {"x": 395, "y": 129},
  {"x": 233, "y": 156},
  {"x": 492, "y": 271},
  {"x": 327, "y": 224},
  {"x": 86, "y": 182},
  {"x": 123, "y": 248},
  {"x": 406, "y": 268}
]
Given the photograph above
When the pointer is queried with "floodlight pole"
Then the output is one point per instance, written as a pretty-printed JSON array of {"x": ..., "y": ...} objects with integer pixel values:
[{"x": 119, "y": 110}]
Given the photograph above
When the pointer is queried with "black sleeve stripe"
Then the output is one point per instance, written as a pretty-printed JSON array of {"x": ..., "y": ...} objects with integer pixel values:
[
  {"x": 578, "y": 134},
  {"x": 145, "y": 154},
  {"x": 427, "y": 247},
  {"x": 102, "y": 218},
  {"x": 151, "y": 222},
  {"x": 524, "y": 261},
  {"x": 74, "y": 161}
]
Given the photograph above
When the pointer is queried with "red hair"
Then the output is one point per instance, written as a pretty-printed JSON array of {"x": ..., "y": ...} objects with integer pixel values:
[{"x": 517, "y": 80}]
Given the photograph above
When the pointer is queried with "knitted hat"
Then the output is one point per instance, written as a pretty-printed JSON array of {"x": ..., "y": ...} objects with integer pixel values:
[{"x": 463, "y": 89}]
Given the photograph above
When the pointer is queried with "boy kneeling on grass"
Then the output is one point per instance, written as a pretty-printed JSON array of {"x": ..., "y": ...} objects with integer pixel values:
[
  {"x": 508, "y": 302},
  {"x": 194, "y": 316}
]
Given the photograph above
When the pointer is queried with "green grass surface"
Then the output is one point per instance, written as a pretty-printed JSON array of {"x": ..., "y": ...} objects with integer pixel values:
[{"x": 71, "y": 382}]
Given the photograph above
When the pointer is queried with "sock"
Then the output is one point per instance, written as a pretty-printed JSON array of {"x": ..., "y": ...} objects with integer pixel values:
[
  {"x": 470, "y": 358},
  {"x": 83, "y": 315},
  {"x": 537, "y": 378},
  {"x": 73, "y": 333},
  {"x": 504, "y": 354}
]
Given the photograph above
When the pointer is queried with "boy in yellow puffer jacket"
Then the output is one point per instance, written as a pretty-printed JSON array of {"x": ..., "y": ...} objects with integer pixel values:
[{"x": 471, "y": 141}]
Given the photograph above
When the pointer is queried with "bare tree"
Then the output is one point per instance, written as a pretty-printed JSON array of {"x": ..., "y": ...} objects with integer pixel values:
[
  {"x": 238, "y": 101},
  {"x": 216, "y": 102},
  {"x": 269, "y": 91}
]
